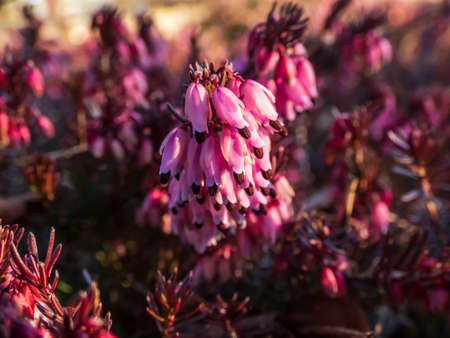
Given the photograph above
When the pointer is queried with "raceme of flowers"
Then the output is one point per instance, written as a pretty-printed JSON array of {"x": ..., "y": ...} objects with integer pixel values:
[
  {"x": 21, "y": 84},
  {"x": 280, "y": 61},
  {"x": 115, "y": 87},
  {"x": 218, "y": 162}
]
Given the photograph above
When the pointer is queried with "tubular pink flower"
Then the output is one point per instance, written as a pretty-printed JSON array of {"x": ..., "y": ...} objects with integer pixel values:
[
  {"x": 172, "y": 151},
  {"x": 229, "y": 108},
  {"x": 198, "y": 109},
  {"x": 46, "y": 126},
  {"x": 194, "y": 176},
  {"x": 98, "y": 147},
  {"x": 268, "y": 61},
  {"x": 386, "y": 49},
  {"x": 36, "y": 81},
  {"x": 145, "y": 152},
  {"x": 307, "y": 76},
  {"x": 381, "y": 216},
  {"x": 211, "y": 161},
  {"x": 234, "y": 84},
  {"x": 117, "y": 149},
  {"x": 259, "y": 100},
  {"x": 295, "y": 92},
  {"x": 25, "y": 135},
  {"x": 233, "y": 150},
  {"x": 255, "y": 140},
  {"x": 329, "y": 282},
  {"x": 127, "y": 134},
  {"x": 286, "y": 69}
]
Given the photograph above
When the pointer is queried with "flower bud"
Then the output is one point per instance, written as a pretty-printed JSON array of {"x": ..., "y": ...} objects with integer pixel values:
[
  {"x": 25, "y": 135},
  {"x": 117, "y": 149},
  {"x": 307, "y": 77},
  {"x": 145, "y": 152},
  {"x": 14, "y": 137},
  {"x": 333, "y": 283},
  {"x": 35, "y": 80},
  {"x": 46, "y": 126},
  {"x": 2, "y": 77},
  {"x": 286, "y": 68},
  {"x": 98, "y": 147},
  {"x": 4, "y": 124},
  {"x": 234, "y": 84},
  {"x": 381, "y": 216},
  {"x": 260, "y": 100}
]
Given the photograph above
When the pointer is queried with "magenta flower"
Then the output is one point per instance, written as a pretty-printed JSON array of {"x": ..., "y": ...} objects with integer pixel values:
[
  {"x": 35, "y": 80},
  {"x": 153, "y": 208},
  {"x": 381, "y": 216},
  {"x": 46, "y": 126},
  {"x": 333, "y": 282}
]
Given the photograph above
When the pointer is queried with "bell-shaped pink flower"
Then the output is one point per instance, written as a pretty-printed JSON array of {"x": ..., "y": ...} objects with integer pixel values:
[
  {"x": 25, "y": 135},
  {"x": 234, "y": 84},
  {"x": 172, "y": 151},
  {"x": 198, "y": 109},
  {"x": 286, "y": 69},
  {"x": 4, "y": 127},
  {"x": 229, "y": 108},
  {"x": 145, "y": 152},
  {"x": 117, "y": 149},
  {"x": 381, "y": 216},
  {"x": 2, "y": 77},
  {"x": 98, "y": 147},
  {"x": 234, "y": 150},
  {"x": 46, "y": 126},
  {"x": 307, "y": 77},
  {"x": 35, "y": 80},
  {"x": 259, "y": 100},
  {"x": 332, "y": 281}
]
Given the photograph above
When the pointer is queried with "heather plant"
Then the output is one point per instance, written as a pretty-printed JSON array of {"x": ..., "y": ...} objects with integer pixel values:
[
  {"x": 30, "y": 306},
  {"x": 226, "y": 169},
  {"x": 228, "y": 123}
]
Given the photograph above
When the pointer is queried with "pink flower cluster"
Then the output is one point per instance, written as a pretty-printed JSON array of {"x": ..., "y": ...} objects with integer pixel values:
[
  {"x": 116, "y": 87},
  {"x": 219, "y": 160},
  {"x": 280, "y": 62},
  {"x": 21, "y": 83}
]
